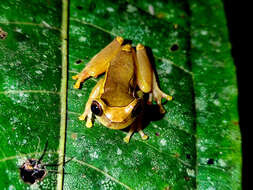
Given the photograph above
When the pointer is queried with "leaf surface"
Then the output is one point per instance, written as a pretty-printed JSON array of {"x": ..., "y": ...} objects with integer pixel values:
[
  {"x": 195, "y": 145},
  {"x": 218, "y": 132}
]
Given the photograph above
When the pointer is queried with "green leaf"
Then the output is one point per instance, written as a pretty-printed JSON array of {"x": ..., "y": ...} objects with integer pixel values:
[
  {"x": 30, "y": 67},
  {"x": 195, "y": 145},
  {"x": 218, "y": 132}
]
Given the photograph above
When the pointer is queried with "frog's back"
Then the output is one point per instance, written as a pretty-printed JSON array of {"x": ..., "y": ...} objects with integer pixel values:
[{"x": 119, "y": 79}]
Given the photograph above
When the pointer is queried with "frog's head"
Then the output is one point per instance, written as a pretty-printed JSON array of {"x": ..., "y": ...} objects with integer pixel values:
[{"x": 116, "y": 117}]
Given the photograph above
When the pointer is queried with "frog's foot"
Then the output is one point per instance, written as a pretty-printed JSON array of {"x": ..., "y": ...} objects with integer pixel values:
[
  {"x": 158, "y": 95},
  {"x": 89, "y": 123},
  {"x": 89, "y": 119},
  {"x": 127, "y": 139},
  {"x": 82, "y": 117},
  {"x": 143, "y": 135},
  {"x": 129, "y": 134},
  {"x": 80, "y": 78}
]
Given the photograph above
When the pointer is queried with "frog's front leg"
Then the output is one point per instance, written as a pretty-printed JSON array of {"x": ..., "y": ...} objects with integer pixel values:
[
  {"x": 98, "y": 64},
  {"x": 87, "y": 111},
  {"x": 146, "y": 78}
]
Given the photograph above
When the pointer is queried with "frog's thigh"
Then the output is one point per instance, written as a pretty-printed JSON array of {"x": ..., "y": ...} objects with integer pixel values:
[
  {"x": 99, "y": 62},
  {"x": 87, "y": 111},
  {"x": 143, "y": 69}
]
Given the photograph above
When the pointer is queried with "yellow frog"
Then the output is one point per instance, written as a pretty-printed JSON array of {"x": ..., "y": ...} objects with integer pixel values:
[{"x": 117, "y": 99}]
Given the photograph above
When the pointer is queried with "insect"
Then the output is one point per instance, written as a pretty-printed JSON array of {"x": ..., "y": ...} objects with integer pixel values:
[
  {"x": 32, "y": 170},
  {"x": 117, "y": 99}
]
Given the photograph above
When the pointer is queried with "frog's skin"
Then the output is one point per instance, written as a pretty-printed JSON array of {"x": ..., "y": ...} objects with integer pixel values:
[{"x": 116, "y": 100}]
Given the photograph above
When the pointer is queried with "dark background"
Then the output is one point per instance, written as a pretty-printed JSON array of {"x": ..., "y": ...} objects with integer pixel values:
[{"x": 239, "y": 19}]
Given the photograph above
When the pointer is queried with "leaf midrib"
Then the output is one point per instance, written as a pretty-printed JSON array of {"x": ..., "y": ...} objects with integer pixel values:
[{"x": 63, "y": 93}]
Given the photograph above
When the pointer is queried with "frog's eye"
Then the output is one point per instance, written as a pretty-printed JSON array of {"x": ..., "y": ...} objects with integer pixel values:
[
  {"x": 96, "y": 108},
  {"x": 137, "y": 110}
]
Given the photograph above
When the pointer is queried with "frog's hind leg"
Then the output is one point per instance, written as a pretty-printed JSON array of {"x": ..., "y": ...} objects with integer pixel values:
[
  {"x": 146, "y": 78},
  {"x": 136, "y": 125},
  {"x": 99, "y": 62},
  {"x": 130, "y": 133},
  {"x": 139, "y": 128},
  {"x": 87, "y": 111}
]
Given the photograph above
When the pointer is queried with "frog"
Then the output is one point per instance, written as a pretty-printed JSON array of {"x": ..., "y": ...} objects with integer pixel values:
[{"x": 117, "y": 98}]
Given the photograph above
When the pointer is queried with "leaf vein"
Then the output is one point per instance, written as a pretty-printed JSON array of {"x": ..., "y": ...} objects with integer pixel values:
[
  {"x": 102, "y": 172},
  {"x": 24, "y": 155},
  {"x": 42, "y": 25},
  {"x": 29, "y": 91}
]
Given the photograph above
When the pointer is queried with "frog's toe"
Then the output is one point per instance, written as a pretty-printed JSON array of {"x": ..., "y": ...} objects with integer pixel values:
[
  {"x": 144, "y": 137},
  {"x": 75, "y": 77},
  {"x": 82, "y": 117},
  {"x": 167, "y": 97},
  {"x": 77, "y": 85},
  {"x": 89, "y": 124},
  {"x": 159, "y": 95},
  {"x": 126, "y": 139}
]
